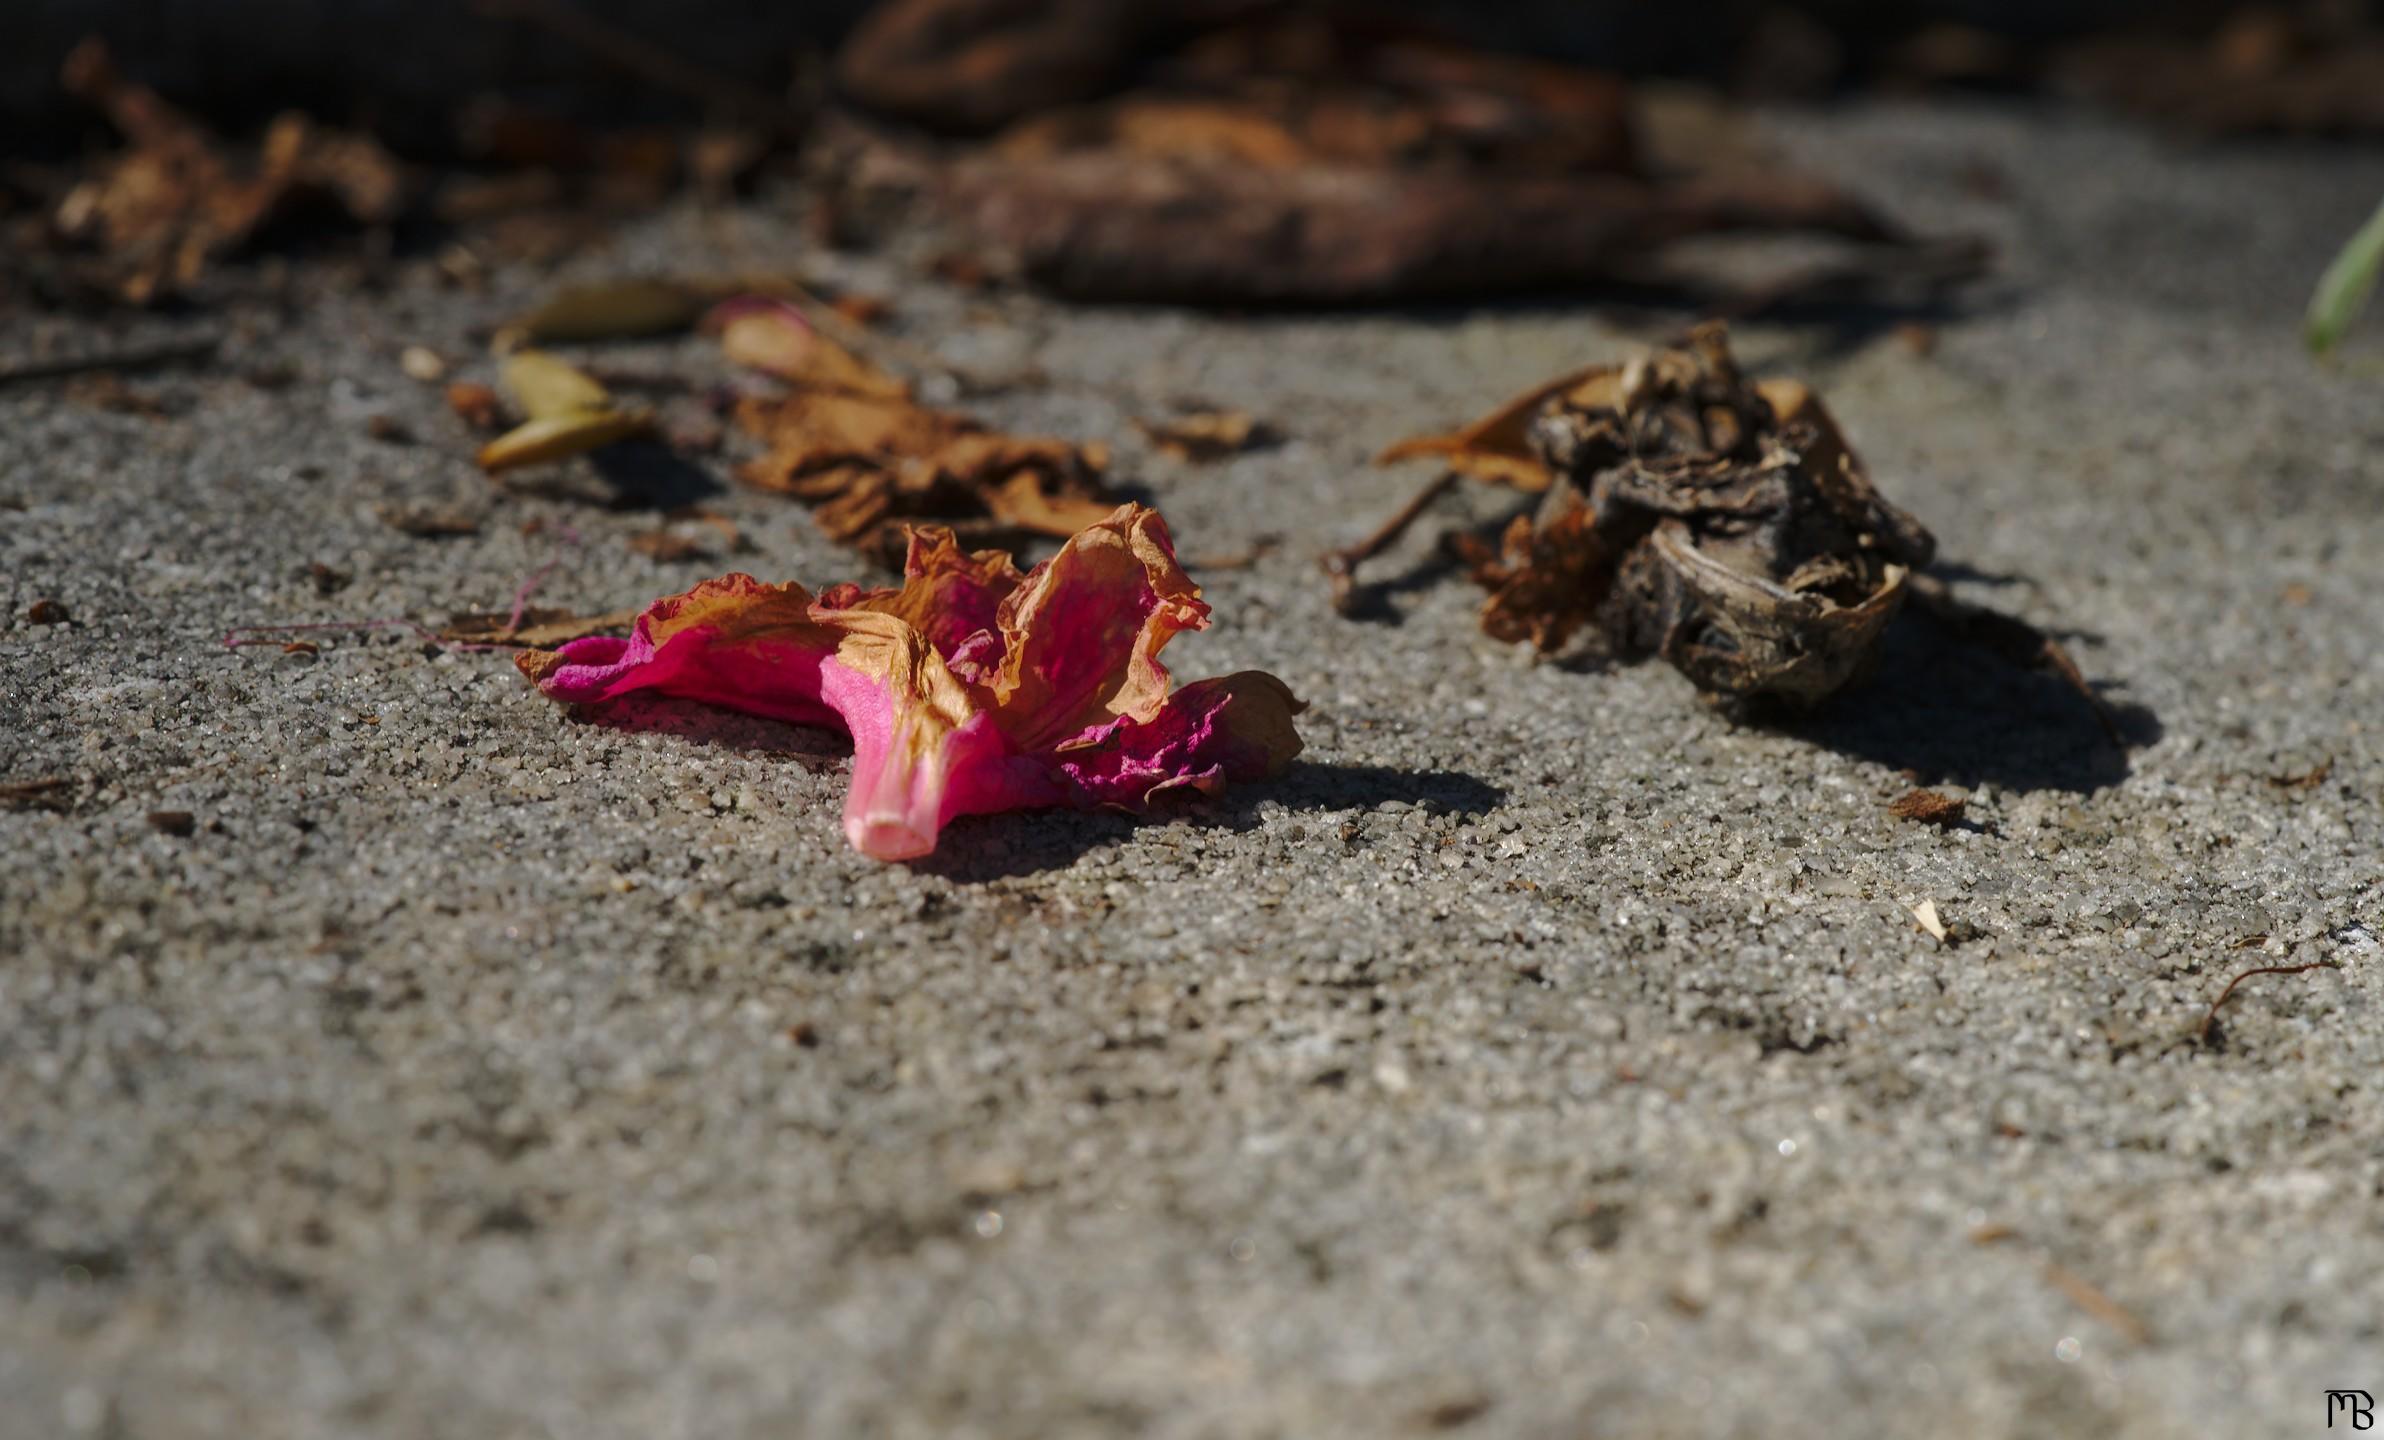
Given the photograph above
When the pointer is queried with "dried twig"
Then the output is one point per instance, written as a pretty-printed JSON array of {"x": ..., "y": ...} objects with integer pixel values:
[
  {"x": 49, "y": 794},
  {"x": 2202, "y": 1034},
  {"x": 2089, "y": 1297},
  {"x": 1340, "y": 566},
  {"x": 138, "y": 357}
]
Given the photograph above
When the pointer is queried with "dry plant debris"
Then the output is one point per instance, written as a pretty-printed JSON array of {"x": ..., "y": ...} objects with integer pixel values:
[
  {"x": 175, "y": 200},
  {"x": 1722, "y": 525},
  {"x": 847, "y": 437},
  {"x": 430, "y": 523},
  {"x": 1328, "y": 159},
  {"x": 568, "y": 412},
  {"x": 1930, "y": 807},
  {"x": 2210, "y": 1017}
]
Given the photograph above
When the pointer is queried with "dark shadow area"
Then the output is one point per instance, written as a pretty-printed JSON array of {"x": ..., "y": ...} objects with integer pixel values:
[
  {"x": 1952, "y": 712},
  {"x": 643, "y": 475},
  {"x": 980, "y": 848},
  {"x": 977, "y": 848},
  {"x": 813, "y": 747}
]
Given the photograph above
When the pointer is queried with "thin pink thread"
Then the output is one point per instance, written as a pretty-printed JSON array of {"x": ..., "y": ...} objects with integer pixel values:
[{"x": 263, "y": 634}]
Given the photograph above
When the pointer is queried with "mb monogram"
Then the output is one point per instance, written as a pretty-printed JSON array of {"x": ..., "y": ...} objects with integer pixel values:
[{"x": 2357, "y": 1405}]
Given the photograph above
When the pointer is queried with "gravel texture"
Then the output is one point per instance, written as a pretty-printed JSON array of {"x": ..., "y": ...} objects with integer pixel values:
[{"x": 1545, "y": 1056}]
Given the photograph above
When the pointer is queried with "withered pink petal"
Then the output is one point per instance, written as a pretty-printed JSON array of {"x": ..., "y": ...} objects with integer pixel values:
[
  {"x": 1085, "y": 628},
  {"x": 1234, "y": 728}
]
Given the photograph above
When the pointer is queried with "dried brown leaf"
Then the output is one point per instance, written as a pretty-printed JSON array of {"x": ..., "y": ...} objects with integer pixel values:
[
  {"x": 1496, "y": 449},
  {"x": 1205, "y": 434},
  {"x": 869, "y": 464},
  {"x": 1544, "y": 579}
]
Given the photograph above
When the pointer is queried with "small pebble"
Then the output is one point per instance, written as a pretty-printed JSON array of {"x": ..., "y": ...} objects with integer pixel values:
[{"x": 422, "y": 363}]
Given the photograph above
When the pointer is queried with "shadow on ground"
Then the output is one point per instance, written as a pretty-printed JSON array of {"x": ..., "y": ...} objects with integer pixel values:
[
  {"x": 980, "y": 848},
  {"x": 1952, "y": 712},
  {"x": 991, "y": 847}
]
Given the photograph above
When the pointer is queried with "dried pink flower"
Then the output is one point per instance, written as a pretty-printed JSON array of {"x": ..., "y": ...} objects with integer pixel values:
[{"x": 970, "y": 688}]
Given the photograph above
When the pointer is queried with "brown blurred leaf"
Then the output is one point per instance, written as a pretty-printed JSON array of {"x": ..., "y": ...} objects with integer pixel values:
[
  {"x": 160, "y": 211},
  {"x": 773, "y": 336},
  {"x": 1336, "y": 162},
  {"x": 1204, "y": 434},
  {"x": 2303, "y": 70},
  {"x": 974, "y": 65},
  {"x": 1108, "y": 225}
]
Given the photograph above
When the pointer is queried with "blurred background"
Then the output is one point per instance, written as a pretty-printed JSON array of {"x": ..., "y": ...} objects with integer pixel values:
[
  {"x": 403, "y": 67},
  {"x": 1334, "y": 154}
]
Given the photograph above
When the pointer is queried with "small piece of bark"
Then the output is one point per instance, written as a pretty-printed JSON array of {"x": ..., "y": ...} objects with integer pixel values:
[
  {"x": 431, "y": 524},
  {"x": 1930, "y": 807},
  {"x": 48, "y": 794},
  {"x": 475, "y": 404}
]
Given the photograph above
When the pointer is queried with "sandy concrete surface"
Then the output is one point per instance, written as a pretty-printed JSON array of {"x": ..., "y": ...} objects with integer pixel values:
[{"x": 1543, "y": 1057}]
